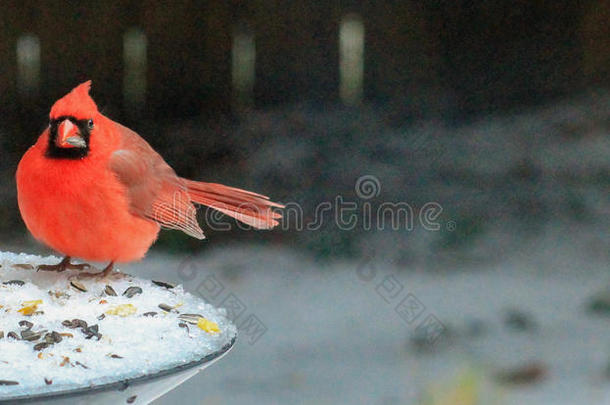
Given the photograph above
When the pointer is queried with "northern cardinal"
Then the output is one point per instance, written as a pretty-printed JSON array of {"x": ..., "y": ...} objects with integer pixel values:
[{"x": 94, "y": 189}]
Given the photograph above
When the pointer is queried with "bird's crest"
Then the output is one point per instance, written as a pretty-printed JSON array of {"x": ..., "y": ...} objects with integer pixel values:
[{"x": 76, "y": 103}]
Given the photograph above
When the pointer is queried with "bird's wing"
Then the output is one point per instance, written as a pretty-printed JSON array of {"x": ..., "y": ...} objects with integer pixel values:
[{"x": 154, "y": 190}]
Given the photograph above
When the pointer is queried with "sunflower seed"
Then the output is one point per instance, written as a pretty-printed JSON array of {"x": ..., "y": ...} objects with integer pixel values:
[
  {"x": 131, "y": 291},
  {"x": 150, "y": 314},
  {"x": 26, "y": 324},
  {"x": 190, "y": 318},
  {"x": 13, "y": 335},
  {"x": 163, "y": 284},
  {"x": 40, "y": 346},
  {"x": 31, "y": 336},
  {"x": 78, "y": 285},
  {"x": 53, "y": 337},
  {"x": 167, "y": 308},
  {"x": 1, "y": 334},
  {"x": 23, "y": 266},
  {"x": 92, "y": 331},
  {"x": 74, "y": 323},
  {"x": 110, "y": 291},
  {"x": 14, "y": 282},
  {"x": 8, "y": 382}
]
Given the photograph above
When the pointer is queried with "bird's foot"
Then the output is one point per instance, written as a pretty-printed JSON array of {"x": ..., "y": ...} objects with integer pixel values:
[
  {"x": 105, "y": 275},
  {"x": 63, "y": 266}
]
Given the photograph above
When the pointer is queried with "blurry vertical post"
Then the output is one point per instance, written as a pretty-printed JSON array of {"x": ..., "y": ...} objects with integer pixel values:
[
  {"x": 28, "y": 65},
  {"x": 351, "y": 59},
  {"x": 134, "y": 79},
  {"x": 243, "y": 66}
]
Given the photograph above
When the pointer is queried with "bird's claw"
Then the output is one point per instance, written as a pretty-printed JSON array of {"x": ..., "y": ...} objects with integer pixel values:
[
  {"x": 79, "y": 266},
  {"x": 63, "y": 266},
  {"x": 104, "y": 275},
  {"x": 51, "y": 267}
]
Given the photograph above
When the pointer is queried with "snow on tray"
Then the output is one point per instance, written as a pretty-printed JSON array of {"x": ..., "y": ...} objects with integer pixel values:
[{"x": 119, "y": 348}]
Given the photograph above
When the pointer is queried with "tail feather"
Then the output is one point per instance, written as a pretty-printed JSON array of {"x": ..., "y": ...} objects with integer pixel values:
[{"x": 250, "y": 208}]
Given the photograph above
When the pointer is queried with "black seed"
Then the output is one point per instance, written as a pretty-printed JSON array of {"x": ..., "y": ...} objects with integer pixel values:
[
  {"x": 26, "y": 324},
  {"x": 13, "y": 335},
  {"x": 78, "y": 285},
  {"x": 150, "y": 314},
  {"x": 40, "y": 346},
  {"x": 166, "y": 308},
  {"x": 78, "y": 363},
  {"x": 116, "y": 356},
  {"x": 92, "y": 331},
  {"x": 110, "y": 291},
  {"x": 67, "y": 324},
  {"x": 14, "y": 282},
  {"x": 79, "y": 323},
  {"x": 163, "y": 284},
  {"x": 102, "y": 316},
  {"x": 131, "y": 399},
  {"x": 31, "y": 336},
  {"x": 55, "y": 336},
  {"x": 48, "y": 381},
  {"x": 131, "y": 291}
]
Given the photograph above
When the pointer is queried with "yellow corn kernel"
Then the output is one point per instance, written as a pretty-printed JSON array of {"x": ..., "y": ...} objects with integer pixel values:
[{"x": 208, "y": 326}]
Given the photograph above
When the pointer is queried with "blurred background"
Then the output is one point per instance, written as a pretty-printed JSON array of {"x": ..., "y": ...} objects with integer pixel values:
[{"x": 445, "y": 165}]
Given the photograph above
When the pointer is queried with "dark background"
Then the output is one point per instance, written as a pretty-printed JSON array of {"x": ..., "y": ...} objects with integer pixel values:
[
  {"x": 436, "y": 76},
  {"x": 498, "y": 111}
]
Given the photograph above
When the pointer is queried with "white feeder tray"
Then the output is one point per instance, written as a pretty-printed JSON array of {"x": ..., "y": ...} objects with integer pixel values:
[
  {"x": 131, "y": 347},
  {"x": 141, "y": 390}
]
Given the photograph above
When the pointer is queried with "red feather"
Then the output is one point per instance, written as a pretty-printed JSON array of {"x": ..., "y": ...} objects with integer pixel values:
[{"x": 110, "y": 204}]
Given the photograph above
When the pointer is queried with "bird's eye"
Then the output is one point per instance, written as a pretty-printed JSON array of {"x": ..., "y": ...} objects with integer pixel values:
[{"x": 90, "y": 124}]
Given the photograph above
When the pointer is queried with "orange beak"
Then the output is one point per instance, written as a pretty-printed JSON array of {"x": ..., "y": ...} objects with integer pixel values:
[{"x": 68, "y": 136}]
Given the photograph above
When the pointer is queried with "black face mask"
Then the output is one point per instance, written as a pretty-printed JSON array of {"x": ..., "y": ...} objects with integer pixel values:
[{"x": 56, "y": 152}]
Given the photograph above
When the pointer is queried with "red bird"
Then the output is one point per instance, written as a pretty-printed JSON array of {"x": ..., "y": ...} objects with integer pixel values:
[{"x": 94, "y": 189}]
